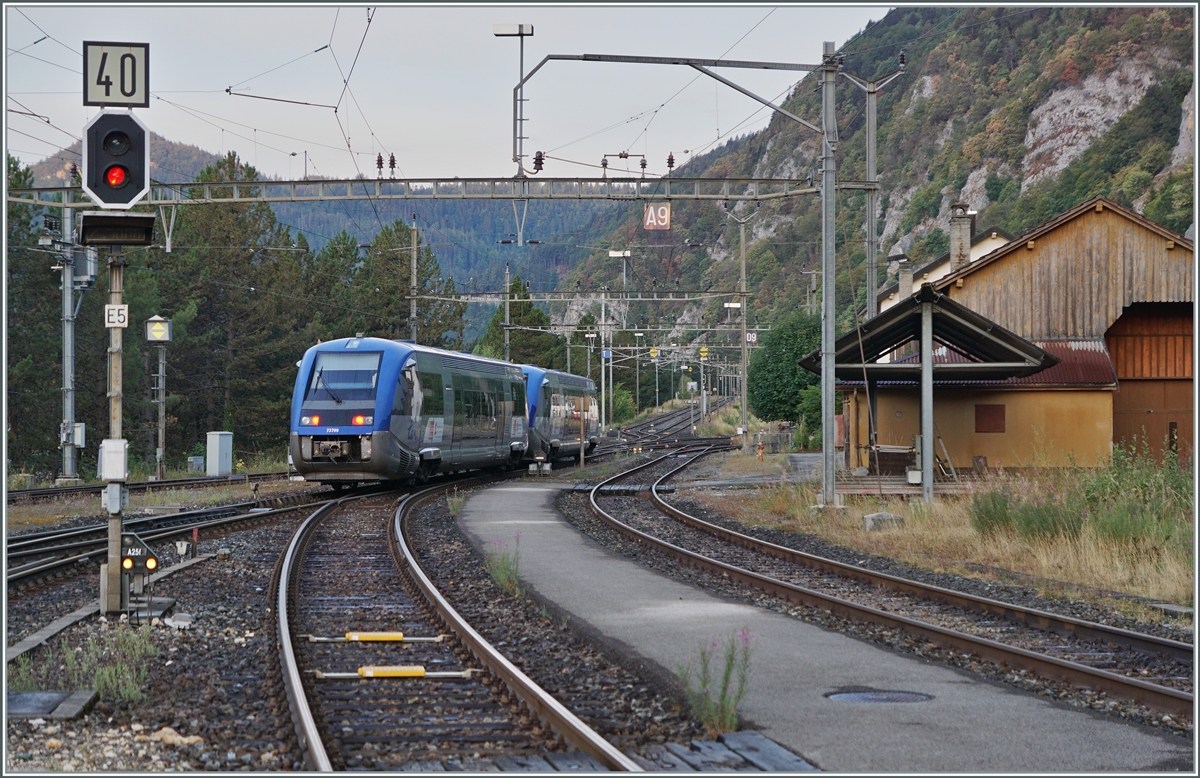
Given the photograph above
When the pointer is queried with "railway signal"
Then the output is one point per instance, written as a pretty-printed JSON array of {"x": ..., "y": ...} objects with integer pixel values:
[
  {"x": 116, "y": 160},
  {"x": 137, "y": 558}
]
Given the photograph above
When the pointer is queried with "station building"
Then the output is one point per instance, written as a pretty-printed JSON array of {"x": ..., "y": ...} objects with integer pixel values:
[{"x": 1096, "y": 306}]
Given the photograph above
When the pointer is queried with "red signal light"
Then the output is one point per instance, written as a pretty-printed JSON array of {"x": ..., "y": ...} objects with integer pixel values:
[{"x": 116, "y": 176}]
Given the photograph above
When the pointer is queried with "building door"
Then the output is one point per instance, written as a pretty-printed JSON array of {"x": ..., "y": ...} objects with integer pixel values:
[{"x": 1151, "y": 349}]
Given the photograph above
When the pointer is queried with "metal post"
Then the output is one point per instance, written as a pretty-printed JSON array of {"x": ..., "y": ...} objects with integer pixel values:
[
  {"x": 507, "y": 284},
  {"x": 603, "y": 404},
  {"x": 114, "y": 600},
  {"x": 412, "y": 288},
  {"x": 160, "y": 454},
  {"x": 568, "y": 353},
  {"x": 67, "y": 433},
  {"x": 657, "y": 399},
  {"x": 872, "y": 89},
  {"x": 829, "y": 69},
  {"x": 743, "y": 298},
  {"x": 703, "y": 393},
  {"x": 927, "y": 402},
  {"x": 637, "y": 373}
]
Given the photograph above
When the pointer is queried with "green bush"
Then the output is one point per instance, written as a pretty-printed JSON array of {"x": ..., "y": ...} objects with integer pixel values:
[
  {"x": 1038, "y": 519},
  {"x": 990, "y": 512}
]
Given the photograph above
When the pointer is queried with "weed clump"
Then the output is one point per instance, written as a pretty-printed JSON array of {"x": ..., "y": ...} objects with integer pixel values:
[
  {"x": 504, "y": 565},
  {"x": 714, "y": 700}
]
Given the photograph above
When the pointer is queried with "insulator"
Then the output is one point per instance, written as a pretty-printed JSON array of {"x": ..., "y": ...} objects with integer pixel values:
[
  {"x": 643, "y": 164},
  {"x": 391, "y": 162},
  {"x": 902, "y": 59},
  {"x": 604, "y": 163},
  {"x": 670, "y": 161},
  {"x": 379, "y": 163}
]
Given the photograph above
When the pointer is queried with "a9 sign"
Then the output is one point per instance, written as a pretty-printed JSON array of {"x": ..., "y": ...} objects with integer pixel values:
[{"x": 657, "y": 216}]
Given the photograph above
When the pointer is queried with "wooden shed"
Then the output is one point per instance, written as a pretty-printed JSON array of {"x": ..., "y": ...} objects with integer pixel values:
[{"x": 1100, "y": 271}]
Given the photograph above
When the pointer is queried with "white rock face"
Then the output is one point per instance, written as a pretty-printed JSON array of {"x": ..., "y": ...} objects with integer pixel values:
[
  {"x": 1066, "y": 123},
  {"x": 1185, "y": 150},
  {"x": 974, "y": 192},
  {"x": 924, "y": 89}
]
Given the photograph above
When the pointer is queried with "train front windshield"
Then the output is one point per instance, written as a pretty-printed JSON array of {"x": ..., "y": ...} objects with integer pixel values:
[{"x": 342, "y": 376}]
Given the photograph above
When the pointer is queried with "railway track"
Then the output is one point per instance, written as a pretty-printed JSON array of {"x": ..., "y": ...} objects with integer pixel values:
[
  {"x": 1145, "y": 669},
  {"x": 36, "y": 556},
  {"x": 380, "y": 671},
  {"x": 16, "y": 496}
]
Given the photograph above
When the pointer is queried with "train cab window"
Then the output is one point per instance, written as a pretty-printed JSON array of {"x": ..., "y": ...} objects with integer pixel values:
[
  {"x": 432, "y": 400},
  {"x": 341, "y": 376},
  {"x": 408, "y": 394}
]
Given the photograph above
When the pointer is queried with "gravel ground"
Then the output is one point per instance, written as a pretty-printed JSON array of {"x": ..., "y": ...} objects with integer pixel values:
[
  {"x": 206, "y": 684},
  {"x": 574, "y": 506},
  {"x": 208, "y": 696}
]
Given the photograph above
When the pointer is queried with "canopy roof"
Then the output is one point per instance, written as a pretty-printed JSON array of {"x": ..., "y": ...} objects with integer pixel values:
[{"x": 988, "y": 350}]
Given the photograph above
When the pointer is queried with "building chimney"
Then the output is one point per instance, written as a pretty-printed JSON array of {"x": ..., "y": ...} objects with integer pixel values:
[
  {"x": 961, "y": 222},
  {"x": 904, "y": 286}
]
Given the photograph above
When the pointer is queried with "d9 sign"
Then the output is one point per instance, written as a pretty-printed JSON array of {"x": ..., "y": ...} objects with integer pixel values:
[{"x": 657, "y": 216}]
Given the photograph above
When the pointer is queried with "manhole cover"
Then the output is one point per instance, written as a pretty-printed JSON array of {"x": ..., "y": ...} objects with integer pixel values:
[{"x": 879, "y": 696}]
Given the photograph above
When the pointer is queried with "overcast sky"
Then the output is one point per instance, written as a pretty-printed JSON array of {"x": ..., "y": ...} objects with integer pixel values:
[{"x": 431, "y": 85}]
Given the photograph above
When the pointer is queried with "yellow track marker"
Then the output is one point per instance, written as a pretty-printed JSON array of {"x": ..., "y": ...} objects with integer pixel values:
[
  {"x": 375, "y": 637},
  {"x": 396, "y": 671}
]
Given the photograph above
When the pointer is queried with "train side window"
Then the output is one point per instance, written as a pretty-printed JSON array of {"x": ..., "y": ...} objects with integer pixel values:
[
  {"x": 432, "y": 400},
  {"x": 519, "y": 404}
]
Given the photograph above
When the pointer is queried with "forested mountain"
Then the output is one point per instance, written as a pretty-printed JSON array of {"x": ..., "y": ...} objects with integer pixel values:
[{"x": 1021, "y": 112}]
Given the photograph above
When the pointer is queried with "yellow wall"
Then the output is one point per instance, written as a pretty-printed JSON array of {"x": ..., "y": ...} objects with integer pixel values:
[{"x": 1042, "y": 427}]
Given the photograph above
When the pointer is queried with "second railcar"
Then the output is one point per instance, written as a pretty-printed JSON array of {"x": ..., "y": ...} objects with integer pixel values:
[
  {"x": 563, "y": 411},
  {"x": 366, "y": 409}
]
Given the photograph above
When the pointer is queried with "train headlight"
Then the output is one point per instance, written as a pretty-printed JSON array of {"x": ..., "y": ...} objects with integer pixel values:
[
  {"x": 366, "y": 447},
  {"x": 310, "y": 421},
  {"x": 361, "y": 420}
]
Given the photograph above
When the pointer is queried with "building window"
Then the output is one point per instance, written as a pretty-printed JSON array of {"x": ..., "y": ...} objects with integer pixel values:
[{"x": 989, "y": 418}]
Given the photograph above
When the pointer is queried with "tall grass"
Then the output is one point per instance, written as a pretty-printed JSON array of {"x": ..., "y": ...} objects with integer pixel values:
[
  {"x": 1127, "y": 526},
  {"x": 1134, "y": 502}
]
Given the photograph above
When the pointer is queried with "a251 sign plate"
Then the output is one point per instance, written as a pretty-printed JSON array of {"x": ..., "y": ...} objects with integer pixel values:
[{"x": 116, "y": 74}]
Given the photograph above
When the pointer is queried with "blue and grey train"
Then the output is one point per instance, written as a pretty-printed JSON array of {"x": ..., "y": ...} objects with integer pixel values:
[
  {"x": 369, "y": 409},
  {"x": 563, "y": 414}
]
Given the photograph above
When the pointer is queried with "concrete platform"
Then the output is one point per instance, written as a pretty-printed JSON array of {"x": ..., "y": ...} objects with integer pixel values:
[{"x": 968, "y": 725}]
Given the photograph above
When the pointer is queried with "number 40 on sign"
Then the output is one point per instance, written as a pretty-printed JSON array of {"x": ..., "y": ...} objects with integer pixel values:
[{"x": 657, "y": 216}]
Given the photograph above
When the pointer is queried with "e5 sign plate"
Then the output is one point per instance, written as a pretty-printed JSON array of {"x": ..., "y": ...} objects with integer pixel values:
[{"x": 116, "y": 74}]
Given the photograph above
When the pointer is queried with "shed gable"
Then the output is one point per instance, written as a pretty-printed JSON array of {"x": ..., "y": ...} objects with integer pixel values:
[{"x": 1075, "y": 275}]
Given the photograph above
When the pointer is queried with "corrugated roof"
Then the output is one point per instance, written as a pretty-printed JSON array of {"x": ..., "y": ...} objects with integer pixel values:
[{"x": 1083, "y": 363}]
